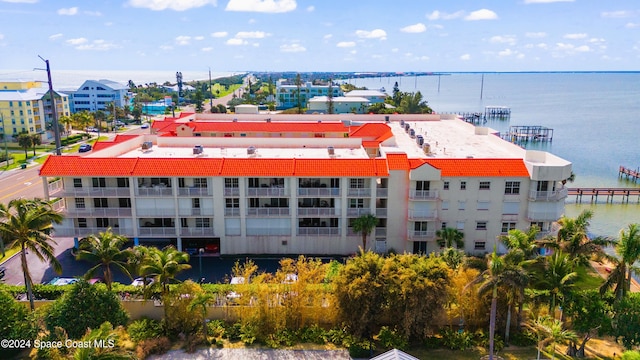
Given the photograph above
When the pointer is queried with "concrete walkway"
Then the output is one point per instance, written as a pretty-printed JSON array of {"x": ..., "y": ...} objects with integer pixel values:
[{"x": 254, "y": 354}]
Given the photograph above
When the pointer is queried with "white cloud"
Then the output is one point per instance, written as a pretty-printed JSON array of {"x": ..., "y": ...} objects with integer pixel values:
[
  {"x": 415, "y": 28},
  {"x": 353, "y": 52},
  {"x": 575, "y": 36},
  {"x": 234, "y": 41},
  {"x": 251, "y": 35},
  {"x": 219, "y": 34},
  {"x": 70, "y": 11},
  {"x": 632, "y": 25},
  {"x": 166, "y": 47},
  {"x": 545, "y": 1},
  {"x": 311, "y": 8},
  {"x": 346, "y": 44},
  {"x": 92, "y": 13},
  {"x": 437, "y": 15},
  {"x": 465, "y": 57},
  {"x": 183, "y": 40},
  {"x": 206, "y": 49},
  {"x": 503, "y": 39},
  {"x": 263, "y": 6},
  {"x": 618, "y": 14},
  {"x": 55, "y": 36},
  {"x": 327, "y": 37},
  {"x": 76, "y": 41},
  {"x": 395, "y": 50},
  {"x": 536, "y": 35},
  {"x": 176, "y": 5},
  {"x": 506, "y": 52},
  {"x": 21, "y": 1},
  {"x": 292, "y": 48},
  {"x": 97, "y": 45},
  {"x": 1, "y": 36},
  {"x": 482, "y": 14},
  {"x": 373, "y": 34},
  {"x": 198, "y": 38},
  {"x": 570, "y": 48}
]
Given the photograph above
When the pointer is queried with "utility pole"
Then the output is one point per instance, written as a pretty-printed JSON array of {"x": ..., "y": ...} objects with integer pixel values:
[
  {"x": 54, "y": 114},
  {"x": 210, "y": 92}
]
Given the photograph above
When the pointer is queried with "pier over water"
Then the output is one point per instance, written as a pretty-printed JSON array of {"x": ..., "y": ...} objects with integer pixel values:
[{"x": 608, "y": 194}]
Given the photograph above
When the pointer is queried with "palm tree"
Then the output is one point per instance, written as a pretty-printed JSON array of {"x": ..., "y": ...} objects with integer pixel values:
[
  {"x": 549, "y": 330},
  {"x": 66, "y": 121},
  {"x": 26, "y": 224},
  {"x": 558, "y": 277},
  {"x": 35, "y": 141},
  {"x": 24, "y": 140},
  {"x": 448, "y": 237},
  {"x": 627, "y": 248},
  {"x": 201, "y": 301},
  {"x": 104, "y": 250},
  {"x": 523, "y": 241},
  {"x": 164, "y": 265},
  {"x": 298, "y": 83},
  {"x": 364, "y": 225}
]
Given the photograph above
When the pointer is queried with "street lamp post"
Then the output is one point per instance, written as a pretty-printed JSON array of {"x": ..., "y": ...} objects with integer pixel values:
[
  {"x": 54, "y": 113},
  {"x": 200, "y": 251}
]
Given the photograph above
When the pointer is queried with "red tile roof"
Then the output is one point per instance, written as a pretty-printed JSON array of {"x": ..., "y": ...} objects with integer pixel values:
[
  {"x": 480, "y": 167},
  {"x": 177, "y": 167},
  {"x": 86, "y": 166},
  {"x": 398, "y": 161}
]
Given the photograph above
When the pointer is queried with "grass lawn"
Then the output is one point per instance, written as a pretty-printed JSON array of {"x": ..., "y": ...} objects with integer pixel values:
[
  {"x": 8, "y": 253},
  {"x": 224, "y": 91},
  {"x": 588, "y": 278}
]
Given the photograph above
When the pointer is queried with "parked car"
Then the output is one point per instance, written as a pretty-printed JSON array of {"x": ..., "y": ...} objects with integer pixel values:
[
  {"x": 144, "y": 126},
  {"x": 140, "y": 281},
  {"x": 84, "y": 148},
  {"x": 2, "y": 272},
  {"x": 63, "y": 281}
]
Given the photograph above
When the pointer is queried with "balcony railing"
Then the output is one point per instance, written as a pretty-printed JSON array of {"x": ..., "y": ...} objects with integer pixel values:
[
  {"x": 381, "y": 212},
  {"x": 269, "y": 191},
  {"x": 195, "y": 212},
  {"x": 382, "y": 192},
  {"x": 359, "y": 192},
  {"x": 82, "y": 232},
  {"x": 156, "y": 191},
  {"x": 423, "y": 234},
  {"x": 99, "y": 212},
  {"x": 157, "y": 231},
  {"x": 268, "y": 211},
  {"x": 197, "y": 231},
  {"x": 423, "y": 195},
  {"x": 59, "y": 205},
  {"x": 97, "y": 192},
  {"x": 318, "y": 231},
  {"x": 381, "y": 231},
  {"x": 543, "y": 215},
  {"x": 510, "y": 217},
  {"x": 55, "y": 186},
  {"x": 155, "y": 212},
  {"x": 229, "y": 191},
  {"x": 422, "y": 214},
  {"x": 358, "y": 211},
  {"x": 319, "y": 192},
  {"x": 232, "y": 211},
  {"x": 193, "y": 191},
  {"x": 554, "y": 195},
  {"x": 318, "y": 211}
]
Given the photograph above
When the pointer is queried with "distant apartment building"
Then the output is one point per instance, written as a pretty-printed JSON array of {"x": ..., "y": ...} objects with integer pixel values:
[
  {"x": 287, "y": 93},
  {"x": 374, "y": 96},
  {"x": 292, "y": 184},
  {"x": 341, "y": 105},
  {"x": 94, "y": 95},
  {"x": 26, "y": 107}
]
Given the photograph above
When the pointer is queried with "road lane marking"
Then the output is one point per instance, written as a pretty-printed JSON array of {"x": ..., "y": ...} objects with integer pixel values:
[
  {"x": 16, "y": 184},
  {"x": 15, "y": 192}
]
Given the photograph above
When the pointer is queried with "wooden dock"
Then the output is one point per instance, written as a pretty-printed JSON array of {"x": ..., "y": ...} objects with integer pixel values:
[
  {"x": 629, "y": 174},
  {"x": 609, "y": 194}
]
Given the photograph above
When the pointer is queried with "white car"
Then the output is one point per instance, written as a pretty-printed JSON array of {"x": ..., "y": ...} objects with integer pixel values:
[
  {"x": 140, "y": 281},
  {"x": 63, "y": 281}
]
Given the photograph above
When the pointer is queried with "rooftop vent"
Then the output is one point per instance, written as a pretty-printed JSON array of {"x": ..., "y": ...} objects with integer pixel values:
[
  {"x": 268, "y": 120},
  {"x": 198, "y": 149},
  {"x": 251, "y": 150},
  {"x": 331, "y": 150},
  {"x": 426, "y": 148},
  {"x": 235, "y": 119},
  {"x": 147, "y": 145},
  {"x": 401, "y": 122}
]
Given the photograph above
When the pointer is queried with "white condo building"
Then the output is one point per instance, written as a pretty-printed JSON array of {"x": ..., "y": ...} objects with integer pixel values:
[{"x": 290, "y": 184}]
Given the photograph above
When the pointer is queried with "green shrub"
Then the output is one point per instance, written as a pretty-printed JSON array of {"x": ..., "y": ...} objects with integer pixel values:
[
  {"x": 361, "y": 349},
  {"x": 339, "y": 337},
  {"x": 155, "y": 346},
  {"x": 216, "y": 328},
  {"x": 232, "y": 331},
  {"x": 248, "y": 333},
  {"x": 391, "y": 339},
  {"x": 456, "y": 340},
  {"x": 523, "y": 338},
  {"x": 16, "y": 321},
  {"x": 144, "y": 329},
  {"x": 313, "y": 334},
  {"x": 630, "y": 355},
  {"x": 480, "y": 338},
  {"x": 281, "y": 337},
  {"x": 432, "y": 342}
]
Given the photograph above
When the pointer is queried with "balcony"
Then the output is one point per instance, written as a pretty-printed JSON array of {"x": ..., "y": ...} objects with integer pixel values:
[
  {"x": 423, "y": 195},
  {"x": 97, "y": 192},
  {"x": 555, "y": 195},
  {"x": 229, "y": 191},
  {"x": 195, "y": 212},
  {"x": 155, "y": 191},
  {"x": 268, "y": 191},
  {"x": 99, "y": 212},
  {"x": 268, "y": 212},
  {"x": 232, "y": 211},
  {"x": 358, "y": 211},
  {"x": 59, "y": 205},
  {"x": 157, "y": 231},
  {"x": 318, "y": 231},
  {"x": 318, "y": 192},
  {"x": 382, "y": 192},
  {"x": 359, "y": 192},
  {"x": 86, "y": 231},
  {"x": 318, "y": 211},
  {"x": 422, "y": 215},
  {"x": 543, "y": 216},
  {"x": 423, "y": 234},
  {"x": 54, "y": 187},
  {"x": 381, "y": 212},
  {"x": 194, "y": 191},
  {"x": 197, "y": 231},
  {"x": 155, "y": 212},
  {"x": 381, "y": 231},
  {"x": 510, "y": 217}
]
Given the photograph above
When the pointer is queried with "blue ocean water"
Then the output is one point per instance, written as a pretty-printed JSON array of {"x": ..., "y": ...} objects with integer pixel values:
[{"x": 595, "y": 118}]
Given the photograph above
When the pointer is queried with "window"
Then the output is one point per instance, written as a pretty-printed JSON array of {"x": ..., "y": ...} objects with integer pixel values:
[
  {"x": 254, "y": 182},
  {"x": 184, "y": 223},
  {"x": 124, "y": 202},
  {"x": 200, "y": 182},
  {"x": 510, "y": 208},
  {"x": 195, "y": 203},
  {"x": 102, "y": 222},
  {"x": 446, "y": 185},
  {"x": 445, "y": 205},
  {"x": 203, "y": 222},
  {"x": 483, "y": 205},
  {"x": 356, "y": 203},
  {"x": 485, "y": 185},
  {"x": 82, "y": 222},
  {"x": 356, "y": 183},
  {"x": 460, "y": 225},
  {"x": 506, "y": 226},
  {"x": 123, "y": 182},
  {"x": 80, "y": 203},
  {"x": 481, "y": 225},
  {"x": 443, "y": 225},
  {"x": 77, "y": 183},
  {"x": 232, "y": 202},
  {"x": 231, "y": 182},
  {"x": 462, "y": 205},
  {"x": 479, "y": 245},
  {"x": 539, "y": 224},
  {"x": 463, "y": 185},
  {"x": 419, "y": 247},
  {"x": 335, "y": 182},
  {"x": 512, "y": 187},
  {"x": 422, "y": 185},
  {"x": 100, "y": 203},
  {"x": 99, "y": 182}
]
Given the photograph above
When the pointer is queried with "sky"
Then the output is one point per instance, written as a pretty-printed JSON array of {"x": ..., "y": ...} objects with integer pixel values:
[{"x": 321, "y": 35}]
